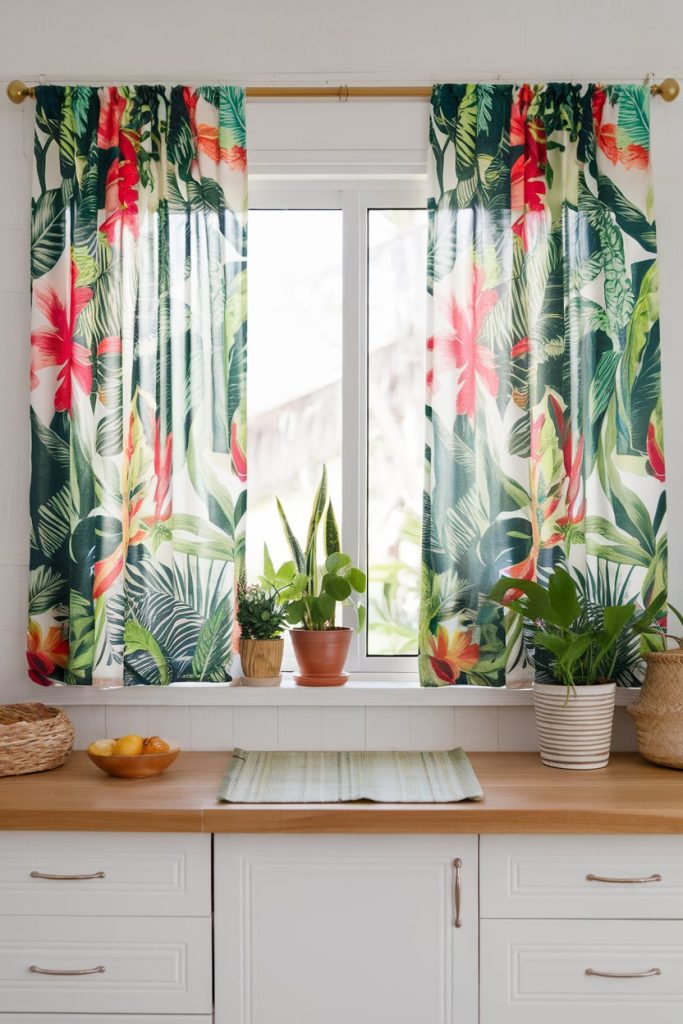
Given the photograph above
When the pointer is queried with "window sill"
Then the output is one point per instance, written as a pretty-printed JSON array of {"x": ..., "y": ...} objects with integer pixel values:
[{"x": 357, "y": 692}]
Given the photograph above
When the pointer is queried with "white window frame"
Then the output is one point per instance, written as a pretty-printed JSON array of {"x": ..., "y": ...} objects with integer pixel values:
[{"x": 354, "y": 196}]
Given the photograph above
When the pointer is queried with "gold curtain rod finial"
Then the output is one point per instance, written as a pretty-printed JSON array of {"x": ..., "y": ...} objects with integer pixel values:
[
  {"x": 668, "y": 89},
  {"x": 18, "y": 91}
]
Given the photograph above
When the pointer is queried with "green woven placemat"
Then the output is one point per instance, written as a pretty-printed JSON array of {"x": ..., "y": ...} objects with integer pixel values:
[{"x": 314, "y": 777}]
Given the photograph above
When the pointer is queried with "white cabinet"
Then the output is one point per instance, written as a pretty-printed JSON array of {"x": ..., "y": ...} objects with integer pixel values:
[
  {"x": 585, "y": 928},
  {"x": 338, "y": 929},
  {"x": 592, "y": 972},
  {"x": 111, "y": 926},
  {"x": 101, "y": 874},
  {"x": 582, "y": 876}
]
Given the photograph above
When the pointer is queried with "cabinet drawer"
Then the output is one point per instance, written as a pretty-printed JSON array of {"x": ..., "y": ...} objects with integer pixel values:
[
  {"x": 533, "y": 972},
  {"x": 160, "y": 966},
  {"x": 104, "y": 1018},
  {"x": 134, "y": 874},
  {"x": 582, "y": 876}
]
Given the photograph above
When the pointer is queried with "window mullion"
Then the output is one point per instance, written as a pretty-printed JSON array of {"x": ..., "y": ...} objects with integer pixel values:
[{"x": 353, "y": 393}]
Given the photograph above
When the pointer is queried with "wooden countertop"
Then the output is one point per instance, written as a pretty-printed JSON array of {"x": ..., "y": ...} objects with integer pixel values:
[{"x": 520, "y": 795}]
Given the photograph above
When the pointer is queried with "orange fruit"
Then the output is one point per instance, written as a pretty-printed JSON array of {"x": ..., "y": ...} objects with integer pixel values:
[
  {"x": 128, "y": 746},
  {"x": 155, "y": 745}
]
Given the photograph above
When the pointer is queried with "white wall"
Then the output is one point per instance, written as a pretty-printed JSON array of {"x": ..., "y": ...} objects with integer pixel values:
[{"x": 303, "y": 42}]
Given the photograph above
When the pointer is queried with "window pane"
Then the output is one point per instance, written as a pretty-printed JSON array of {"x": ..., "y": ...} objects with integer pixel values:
[
  {"x": 294, "y": 371},
  {"x": 397, "y": 241}
]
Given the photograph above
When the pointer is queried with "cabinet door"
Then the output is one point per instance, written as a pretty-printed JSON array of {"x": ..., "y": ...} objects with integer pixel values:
[{"x": 339, "y": 929}]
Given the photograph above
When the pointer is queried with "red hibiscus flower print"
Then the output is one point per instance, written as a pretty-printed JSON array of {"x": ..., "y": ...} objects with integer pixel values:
[
  {"x": 239, "y": 459},
  {"x": 208, "y": 142},
  {"x": 121, "y": 195},
  {"x": 44, "y": 654},
  {"x": 54, "y": 345},
  {"x": 655, "y": 454},
  {"x": 457, "y": 345},
  {"x": 608, "y": 138},
  {"x": 112, "y": 105},
  {"x": 452, "y": 655},
  {"x": 163, "y": 464}
]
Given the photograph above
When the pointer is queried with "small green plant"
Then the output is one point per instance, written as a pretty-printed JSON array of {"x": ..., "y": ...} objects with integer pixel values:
[
  {"x": 310, "y": 591},
  {"x": 575, "y": 642},
  {"x": 260, "y": 613}
]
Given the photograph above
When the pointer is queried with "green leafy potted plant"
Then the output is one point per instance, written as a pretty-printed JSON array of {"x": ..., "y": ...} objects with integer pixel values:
[
  {"x": 574, "y": 645},
  {"x": 260, "y": 615},
  {"x": 312, "y": 592}
]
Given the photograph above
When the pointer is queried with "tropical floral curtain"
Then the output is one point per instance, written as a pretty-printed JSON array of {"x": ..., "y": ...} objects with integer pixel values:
[
  {"x": 544, "y": 414},
  {"x": 137, "y": 383}
]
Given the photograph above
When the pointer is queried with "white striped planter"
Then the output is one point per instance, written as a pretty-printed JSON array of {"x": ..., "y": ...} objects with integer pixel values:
[{"x": 574, "y": 733}]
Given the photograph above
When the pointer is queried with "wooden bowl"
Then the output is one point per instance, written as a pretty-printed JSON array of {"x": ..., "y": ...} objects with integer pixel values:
[{"x": 142, "y": 766}]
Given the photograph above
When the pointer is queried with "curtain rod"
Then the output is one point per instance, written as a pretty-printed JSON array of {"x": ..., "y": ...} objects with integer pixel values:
[{"x": 19, "y": 91}]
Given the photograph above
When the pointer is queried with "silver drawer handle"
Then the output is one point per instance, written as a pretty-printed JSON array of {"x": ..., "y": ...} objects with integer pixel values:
[
  {"x": 457, "y": 864},
  {"x": 652, "y": 973},
  {"x": 88, "y": 970},
  {"x": 67, "y": 878},
  {"x": 624, "y": 881}
]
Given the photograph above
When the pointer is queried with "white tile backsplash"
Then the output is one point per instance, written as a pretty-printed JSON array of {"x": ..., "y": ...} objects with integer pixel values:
[
  {"x": 122, "y": 721},
  {"x": 343, "y": 728},
  {"x": 432, "y": 728},
  {"x": 476, "y": 728},
  {"x": 90, "y": 724},
  {"x": 517, "y": 729},
  {"x": 211, "y": 728},
  {"x": 300, "y": 728},
  {"x": 256, "y": 728},
  {"x": 387, "y": 728},
  {"x": 320, "y": 727},
  {"x": 169, "y": 723}
]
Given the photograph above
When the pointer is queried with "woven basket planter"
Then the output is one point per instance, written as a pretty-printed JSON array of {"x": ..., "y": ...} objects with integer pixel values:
[
  {"x": 575, "y": 728},
  {"x": 658, "y": 712},
  {"x": 33, "y": 738}
]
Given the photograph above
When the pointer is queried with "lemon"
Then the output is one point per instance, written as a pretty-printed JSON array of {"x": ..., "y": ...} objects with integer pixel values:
[
  {"x": 103, "y": 748},
  {"x": 128, "y": 746}
]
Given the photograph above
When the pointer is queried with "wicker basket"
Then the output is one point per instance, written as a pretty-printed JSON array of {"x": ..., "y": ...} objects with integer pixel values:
[
  {"x": 658, "y": 712},
  {"x": 33, "y": 738}
]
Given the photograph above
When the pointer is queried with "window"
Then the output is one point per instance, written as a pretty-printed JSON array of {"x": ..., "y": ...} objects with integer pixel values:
[{"x": 336, "y": 375}]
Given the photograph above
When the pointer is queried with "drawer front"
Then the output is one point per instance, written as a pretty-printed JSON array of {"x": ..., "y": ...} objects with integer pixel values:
[
  {"x": 160, "y": 966},
  {"x": 126, "y": 874},
  {"x": 582, "y": 876},
  {"x": 104, "y": 1018},
  {"x": 533, "y": 972}
]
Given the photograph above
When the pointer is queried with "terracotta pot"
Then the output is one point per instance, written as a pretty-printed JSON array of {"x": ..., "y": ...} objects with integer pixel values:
[
  {"x": 262, "y": 660},
  {"x": 574, "y": 731},
  {"x": 658, "y": 712},
  {"x": 320, "y": 655}
]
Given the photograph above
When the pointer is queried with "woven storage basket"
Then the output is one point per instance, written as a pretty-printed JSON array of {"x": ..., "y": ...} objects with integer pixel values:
[
  {"x": 33, "y": 738},
  {"x": 659, "y": 711}
]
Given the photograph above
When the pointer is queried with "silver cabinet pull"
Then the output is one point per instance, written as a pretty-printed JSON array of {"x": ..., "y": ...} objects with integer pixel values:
[
  {"x": 457, "y": 864},
  {"x": 624, "y": 881},
  {"x": 652, "y": 973},
  {"x": 67, "y": 878},
  {"x": 87, "y": 970}
]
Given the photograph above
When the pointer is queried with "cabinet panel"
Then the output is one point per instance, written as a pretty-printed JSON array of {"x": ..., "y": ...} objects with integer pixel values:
[
  {"x": 344, "y": 928},
  {"x": 135, "y": 874},
  {"x": 533, "y": 972},
  {"x": 547, "y": 876},
  {"x": 160, "y": 966},
  {"x": 104, "y": 1018}
]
